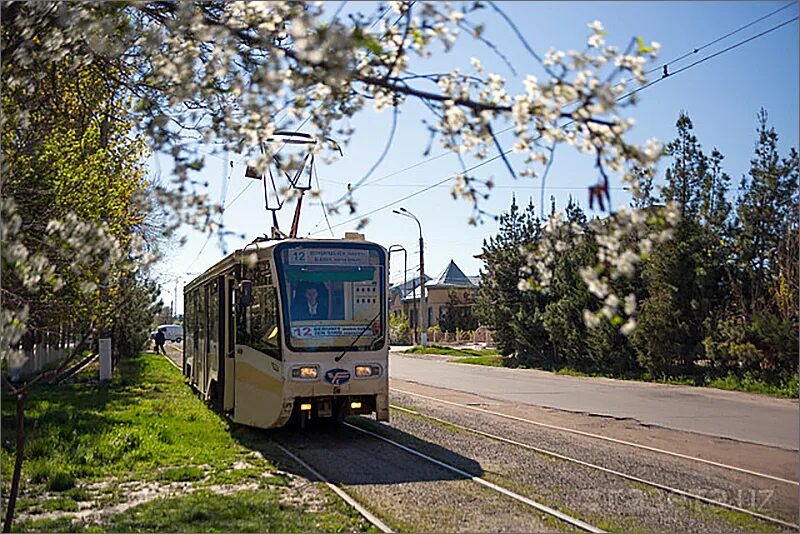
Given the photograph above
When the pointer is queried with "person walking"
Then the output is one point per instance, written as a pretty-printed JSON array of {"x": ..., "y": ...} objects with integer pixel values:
[{"x": 160, "y": 340}]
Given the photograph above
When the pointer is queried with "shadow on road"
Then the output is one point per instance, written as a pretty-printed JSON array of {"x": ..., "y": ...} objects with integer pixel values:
[{"x": 346, "y": 456}]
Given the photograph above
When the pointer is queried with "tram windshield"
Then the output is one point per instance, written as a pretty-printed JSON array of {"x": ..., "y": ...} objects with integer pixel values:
[{"x": 332, "y": 296}]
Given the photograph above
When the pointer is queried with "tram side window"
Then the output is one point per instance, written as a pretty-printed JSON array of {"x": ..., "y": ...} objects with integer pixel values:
[
  {"x": 257, "y": 324},
  {"x": 202, "y": 318},
  {"x": 213, "y": 315},
  {"x": 195, "y": 318}
]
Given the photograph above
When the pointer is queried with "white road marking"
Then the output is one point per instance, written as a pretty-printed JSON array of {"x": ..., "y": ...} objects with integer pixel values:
[
  {"x": 605, "y": 438},
  {"x": 606, "y": 470},
  {"x": 574, "y": 521}
]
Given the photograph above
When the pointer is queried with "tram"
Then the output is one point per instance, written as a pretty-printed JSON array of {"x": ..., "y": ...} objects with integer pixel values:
[{"x": 291, "y": 328}]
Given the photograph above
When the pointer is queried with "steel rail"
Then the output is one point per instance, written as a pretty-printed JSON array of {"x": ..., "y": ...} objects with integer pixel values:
[
  {"x": 626, "y": 476},
  {"x": 366, "y": 514},
  {"x": 601, "y": 437},
  {"x": 574, "y": 521}
]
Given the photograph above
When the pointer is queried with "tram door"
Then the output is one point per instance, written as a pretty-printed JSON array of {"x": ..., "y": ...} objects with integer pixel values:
[
  {"x": 258, "y": 389},
  {"x": 201, "y": 356},
  {"x": 212, "y": 354},
  {"x": 227, "y": 363}
]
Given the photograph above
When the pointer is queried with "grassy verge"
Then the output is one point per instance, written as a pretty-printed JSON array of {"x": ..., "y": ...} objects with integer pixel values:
[
  {"x": 748, "y": 384},
  {"x": 450, "y": 351},
  {"x": 143, "y": 437},
  {"x": 491, "y": 361}
]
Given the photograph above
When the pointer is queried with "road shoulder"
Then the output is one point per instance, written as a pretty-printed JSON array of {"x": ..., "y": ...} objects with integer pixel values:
[{"x": 761, "y": 458}]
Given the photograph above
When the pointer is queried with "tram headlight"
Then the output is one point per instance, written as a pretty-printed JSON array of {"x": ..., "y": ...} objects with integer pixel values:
[
  {"x": 366, "y": 371},
  {"x": 306, "y": 373}
]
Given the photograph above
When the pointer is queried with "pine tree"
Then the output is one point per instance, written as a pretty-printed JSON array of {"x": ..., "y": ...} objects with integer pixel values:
[
  {"x": 759, "y": 332},
  {"x": 669, "y": 337},
  {"x": 689, "y": 166},
  {"x": 568, "y": 295},
  {"x": 766, "y": 212},
  {"x": 513, "y": 315}
]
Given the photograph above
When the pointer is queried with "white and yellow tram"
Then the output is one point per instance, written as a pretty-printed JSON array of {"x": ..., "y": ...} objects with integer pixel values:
[{"x": 291, "y": 327}]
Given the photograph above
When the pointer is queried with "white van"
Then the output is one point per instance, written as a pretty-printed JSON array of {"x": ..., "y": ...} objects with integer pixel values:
[{"x": 172, "y": 332}]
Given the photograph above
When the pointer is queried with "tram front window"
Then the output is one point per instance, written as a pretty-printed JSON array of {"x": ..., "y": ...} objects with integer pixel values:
[{"x": 332, "y": 296}]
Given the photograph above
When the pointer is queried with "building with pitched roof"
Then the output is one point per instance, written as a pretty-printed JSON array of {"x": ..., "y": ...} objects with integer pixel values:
[{"x": 451, "y": 284}]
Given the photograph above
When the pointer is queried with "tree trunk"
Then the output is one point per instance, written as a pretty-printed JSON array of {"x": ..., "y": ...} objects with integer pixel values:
[{"x": 18, "y": 457}]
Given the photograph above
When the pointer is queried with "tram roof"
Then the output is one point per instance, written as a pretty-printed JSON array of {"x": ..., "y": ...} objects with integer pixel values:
[{"x": 235, "y": 257}]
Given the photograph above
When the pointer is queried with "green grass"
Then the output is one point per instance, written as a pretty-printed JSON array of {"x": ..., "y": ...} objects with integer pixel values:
[
  {"x": 148, "y": 426},
  {"x": 203, "y": 511},
  {"x": 450, "y": 351},
  {"x": 751, "y": 385},
  {"x": 739, "y": 520},
  {"x": 730, "y": 382},
  {"x": 181, "y": 474},
  {"x": 146, "y": 419},
  {"x": 243, "y": 476},
  {"x": 491, "y": 361}
]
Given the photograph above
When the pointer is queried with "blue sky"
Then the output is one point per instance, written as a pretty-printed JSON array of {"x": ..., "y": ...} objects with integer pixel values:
[{"x": 722, "y": 96}]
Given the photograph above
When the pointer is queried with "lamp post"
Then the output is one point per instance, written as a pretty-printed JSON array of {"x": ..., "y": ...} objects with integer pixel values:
[
  {"x": 398, "y": 248},
  {"x": 423, "y": 309}
]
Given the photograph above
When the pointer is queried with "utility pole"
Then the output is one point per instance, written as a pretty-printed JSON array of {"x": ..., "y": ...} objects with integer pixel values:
[
  {"x": 398, "y": 248},
  {"x": 423, "y": 310}
]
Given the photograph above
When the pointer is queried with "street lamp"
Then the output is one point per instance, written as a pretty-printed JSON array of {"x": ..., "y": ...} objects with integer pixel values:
[
  {"x": 423, "y": 309},
  {"x": 401, "y": 248}
]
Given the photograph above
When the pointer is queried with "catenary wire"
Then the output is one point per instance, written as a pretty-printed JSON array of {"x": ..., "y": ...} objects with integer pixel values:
[
  {"x": 654, "y": 69},
  {"x": 386, "y": 11},
  {"x": 621, "y": 98},
  {"x": 712, "y": 56},
  {"x": 722, "y": 38}
]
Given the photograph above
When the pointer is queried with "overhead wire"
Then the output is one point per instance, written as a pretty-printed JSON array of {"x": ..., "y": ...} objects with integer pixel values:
[
  {"x": 627, "y": 95},
  {"x": 619, "y": 99},
  {"x": 246, "y": 187},
  {"x": 333, "y": 20},
  {"x": 721, "y": 38},
  {"x": 657, "y": 68},
  {"x": 224, "y": 196},
  {"x": 712, "y": 56},
  {"x": 322, "y": 203}
]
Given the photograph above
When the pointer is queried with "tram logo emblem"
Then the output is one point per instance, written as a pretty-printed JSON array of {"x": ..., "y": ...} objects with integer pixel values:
[{"x": 337, "y": 377}]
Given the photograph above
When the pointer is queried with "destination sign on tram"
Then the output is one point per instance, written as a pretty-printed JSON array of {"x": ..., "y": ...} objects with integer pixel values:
[
  {"x": 328, "y": 256},
  {"x": 315, "y": 331}
]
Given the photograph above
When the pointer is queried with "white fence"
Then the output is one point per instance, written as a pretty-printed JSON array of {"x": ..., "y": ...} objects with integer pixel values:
[
  {"x": 22, "y": 364},
  {"x": 481, "y": 335}
]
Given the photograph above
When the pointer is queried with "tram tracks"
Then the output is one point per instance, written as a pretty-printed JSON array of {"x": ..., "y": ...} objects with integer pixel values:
[
  {"x": 569, "y": 519},
  {"x": 317, "y": 473},
  {"x": 536, "y": 508},
  {"x": 579, "y": 519},
  {"x": 566, "y": 518},
  {"x": 626, "y": 476},
  {"x": 601, "y": 437}
]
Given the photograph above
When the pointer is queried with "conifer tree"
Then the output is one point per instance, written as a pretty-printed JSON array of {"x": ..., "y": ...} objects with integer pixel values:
[
  {"x": 514, "y": 315},
  {"x": 669, "y": 337},
  {"x": 759, "y": 333},
  {"x": 766, "y": 212}
]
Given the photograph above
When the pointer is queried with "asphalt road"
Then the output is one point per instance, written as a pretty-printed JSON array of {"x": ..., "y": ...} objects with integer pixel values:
[{"x": 740, "y": 416}]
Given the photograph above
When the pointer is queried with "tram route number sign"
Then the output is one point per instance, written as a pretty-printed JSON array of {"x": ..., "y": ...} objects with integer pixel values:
[
  {"x": 315, "y": 331},
  {"x": 328, "y": 256}
]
